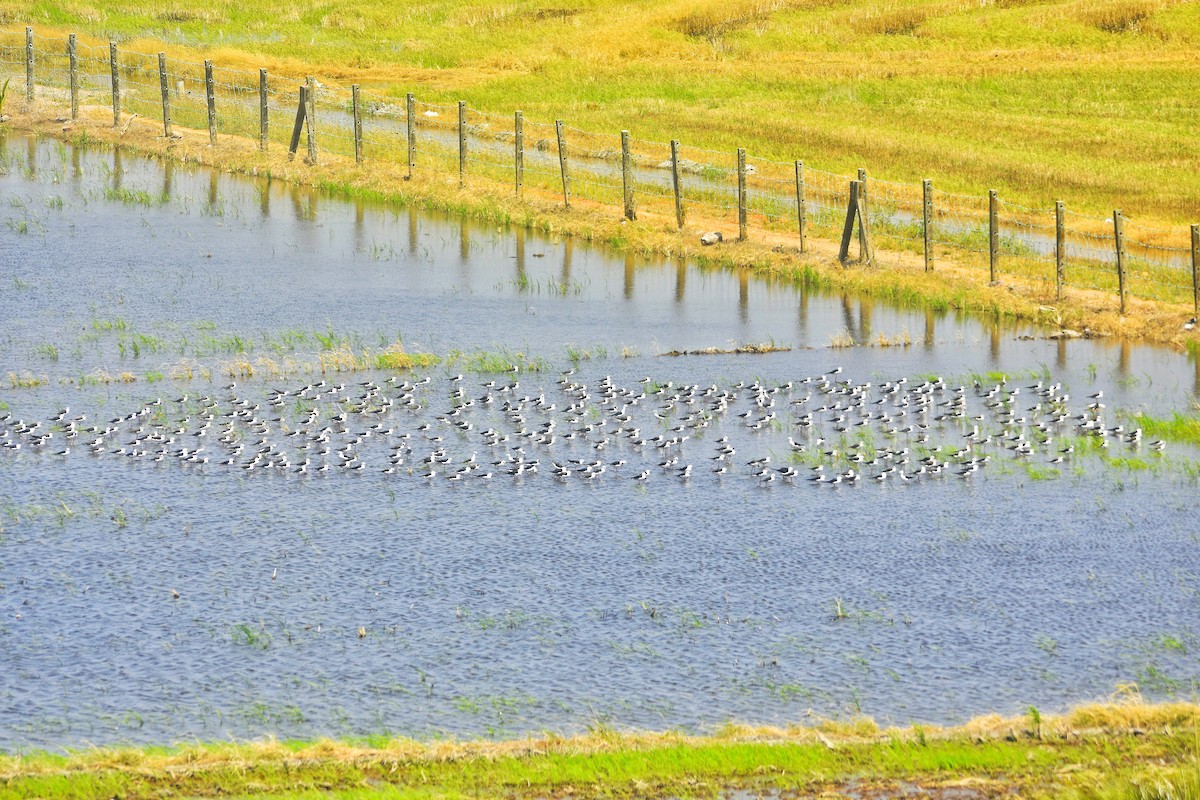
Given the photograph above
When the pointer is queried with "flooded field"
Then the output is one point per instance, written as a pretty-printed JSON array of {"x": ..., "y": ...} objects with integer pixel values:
[{"x": 226, "y": 515}]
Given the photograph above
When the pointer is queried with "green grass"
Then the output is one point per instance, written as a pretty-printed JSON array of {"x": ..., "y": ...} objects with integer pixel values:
[{"x": 1179, "y": 427}]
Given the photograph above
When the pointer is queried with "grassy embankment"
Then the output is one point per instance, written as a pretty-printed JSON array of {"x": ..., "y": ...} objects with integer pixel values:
[
  {"x": 1088, "y": 101},
  {"x": 1114, "y": 751}
]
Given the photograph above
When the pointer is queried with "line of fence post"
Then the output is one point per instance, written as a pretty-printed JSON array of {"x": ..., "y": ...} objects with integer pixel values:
[
  {"x": 627, "y": 177},
  {"x": 927, "y": 221},
  {"x": 410, "y": 104},
  {"x": 310, "y": 113},
  {"x": 1195, "y": 271},
  {"x": 165, "y": 91},
  {"x": 116, "y": 82},
  {"x": 562, "y": 163},
  {"x": 677, "y": 186},
  {"x": 73, "y": 60},
  {"x": 519, "y": 152},
  {"x": 29, "y": 65},
  {"x": 264, "y": 120},
  {"x": 356, "y": 110},
  {"x": 801, "y": 207},
  {"x": 1119, "y": 241},
  {"x": 298, "y": 126},
  {"x": 993, "y": 233},
  {"x": 210, "y": 95},
  {"x": 462, "y": 143},
  {"x": 1060, "y": 248},
  {"x": 741, "y": 184}
]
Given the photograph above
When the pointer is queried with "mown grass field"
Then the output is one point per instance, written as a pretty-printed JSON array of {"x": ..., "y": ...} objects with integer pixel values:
[{"x": 1093, "y": 102}]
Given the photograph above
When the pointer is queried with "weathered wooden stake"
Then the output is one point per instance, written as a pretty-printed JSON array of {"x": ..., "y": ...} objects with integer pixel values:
[
  {"x": 627, "y": 176},
  {"x": 993, "y": 233},
  {"x": 1060, "y": 247},
  {"x": 116, "y": 82},
  {"x": 165, "y": 91},
  {"x": 562, "y": 163},
  {"x": 1119, "y": 241},
  {"x": 29, "y": 65},
  {"x": 852, "y": 207},
  {"x": 356, "y": 109},
  {"x": 310, "y": 119},
  {"x": 410, "y": 102},
  {"x": 462, "y": 142},
  {"x": 1196, "y": 270},
  {"x": 801, "y": 207},
  {"x": 74, "y": 76},
  {"x": 519, "y": 152},
  {"x": 927, "y": 221},
  {"x": 263, "y": 111},
  {"x": 677, "y": 185},
  {"x": 301, "y": 112},
  {"x": 862, "y": 200},
  {"x": 742, "y": 201},
  {"x": 210, "y": 94}
]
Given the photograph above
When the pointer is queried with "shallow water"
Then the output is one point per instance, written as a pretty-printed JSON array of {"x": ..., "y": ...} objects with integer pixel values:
[{"x": 152, "y": 593}]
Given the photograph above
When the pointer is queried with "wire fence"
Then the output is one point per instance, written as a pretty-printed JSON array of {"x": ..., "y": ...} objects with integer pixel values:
[{"x": 674, "y": 180}]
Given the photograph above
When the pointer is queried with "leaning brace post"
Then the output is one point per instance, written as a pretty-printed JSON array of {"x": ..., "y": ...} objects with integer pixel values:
[
  {"x": 1196, "y": 270},
  {"x": 993, "y": 233},
  {"x": 1060, "y": 247},
  {"x": 677, "y": 185},
  {"x": 357, "y": 111},
  {"x": 73, "y": 59},
  {"x": 848, "y": 230},
  {"x": 562, "y": 163},
  {"x": 116, "y": 82},
  {"x": 310, "y": 119},
  {"x": 801, "y": 207},
  {"x": 627, "y": 176},
  {"x": 927, "y": 221},
  {"x": 298, "y": 128},
  {"x": 862, "y": 201},
  {"x": 1119, "y": 241},
  {"x": 29, "y": 65},
  {"x": 462, "y": 142},
  {"x": 410, "y": 102},
  {"x": 165, "y": 92},
  {"x": 519, "y": 152},
  {"x": 263, "y": 111},
  {"x": 210, "y": 95},
  {"x": 741, "y": 180}
]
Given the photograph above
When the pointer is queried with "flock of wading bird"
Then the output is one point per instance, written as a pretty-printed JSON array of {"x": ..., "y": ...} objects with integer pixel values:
[{"x": 822, "y": 430}]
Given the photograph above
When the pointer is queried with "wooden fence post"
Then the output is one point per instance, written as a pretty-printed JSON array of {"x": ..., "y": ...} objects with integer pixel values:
[
  {"x": 462, "y": 142},
  {"x": 263, "y": 111},
  {"x": 862, "y": 201},
  {"x": 356, "y": 109},
  {"x": 165, "y": 91},
  {"x": 298, "y": 128},
  {"x": 927, "y": 221},
  {"x": 519, "y": 152},
  {"x": 677, "y": 185},
  {"x": 310, "y": 118},
  {"x": 993, "y": 233},
  {"x": 29, "y": 65},
  {"x": 1060, "y": 247},
  {"x": 852, "y": 207},
  {"x": 72, "y": 57},
  {"x": 627, "y": 176},
  {"x": 801, "y": 207},
  {"x": 210, "y": 95},
  {"x": 410, "y": 102},
  {"x": 562, "y": 163},
  {"x": 742, "y": 202},
  {"x": 1119, "y": 241},
  {"x": 116, "y": 82},
  {"x": 1196, "y": 270}
]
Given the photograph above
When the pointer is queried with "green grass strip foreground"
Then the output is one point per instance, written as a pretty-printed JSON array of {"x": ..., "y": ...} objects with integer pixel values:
[{"x": 1098, "y": 751}]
